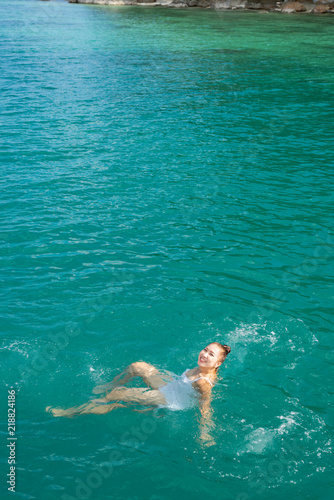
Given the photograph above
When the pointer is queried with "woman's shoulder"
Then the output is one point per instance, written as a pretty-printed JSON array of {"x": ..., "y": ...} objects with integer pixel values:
[
  {"x": 195, "y": 376},
  {"x": 190, "y": 372},
  {"x": 207, "y": 381},
  {"x": 203, "y": 385}
]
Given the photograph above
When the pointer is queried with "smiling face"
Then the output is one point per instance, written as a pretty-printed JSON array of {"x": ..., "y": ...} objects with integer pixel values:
[{"x": 210, "y": 357}]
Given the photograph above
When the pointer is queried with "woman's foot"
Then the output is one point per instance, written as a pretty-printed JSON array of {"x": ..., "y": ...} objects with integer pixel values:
[{"x": 58, "y": 412}]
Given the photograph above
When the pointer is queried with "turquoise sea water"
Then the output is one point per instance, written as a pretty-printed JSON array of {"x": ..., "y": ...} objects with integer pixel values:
[{"x": 167, "y": 180}]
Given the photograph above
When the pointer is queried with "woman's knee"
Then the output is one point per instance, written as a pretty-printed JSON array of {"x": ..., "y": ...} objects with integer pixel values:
[{"x": 140, "y": 368}]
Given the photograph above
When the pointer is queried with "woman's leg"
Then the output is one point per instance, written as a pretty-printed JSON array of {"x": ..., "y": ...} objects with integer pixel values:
[
  {"x": 134, "y": 395},
  {"x": 93, "y": 407},
  {"x": 125, "y": 394},
  {"x": 150, "y": 375}
]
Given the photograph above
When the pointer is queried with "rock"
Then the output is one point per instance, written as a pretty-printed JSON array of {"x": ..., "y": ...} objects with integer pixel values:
[
  {"x": 254, "y": 6},
  {"x": 321, "y": 9},
  {"x": 269, "y": 4},
  {"x": 178, "y": 4},
  {"x": 289, "y": 7},
  {"x": 309, "y": 7},
  {"x": 229, "y": 4},
  {"x": 262, "y": 5},
  {"x": 203, "y": 3},
  {"x": 107, "y": 2},
  {"x": 316, "y": 6}
]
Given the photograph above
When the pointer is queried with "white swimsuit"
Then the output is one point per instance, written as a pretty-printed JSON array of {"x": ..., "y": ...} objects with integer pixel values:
[{"x": 180, "y": 393}]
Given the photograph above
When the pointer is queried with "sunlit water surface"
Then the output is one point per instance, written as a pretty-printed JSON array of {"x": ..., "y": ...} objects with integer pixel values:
[{"x": 167, "y": 179}]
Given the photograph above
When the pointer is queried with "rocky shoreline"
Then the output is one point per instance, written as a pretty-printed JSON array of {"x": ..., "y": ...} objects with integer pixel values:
[{"x": 314, "y": 7}]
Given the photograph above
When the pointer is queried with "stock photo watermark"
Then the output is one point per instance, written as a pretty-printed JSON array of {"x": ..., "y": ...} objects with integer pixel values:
[{"x": 11, "y": 440}]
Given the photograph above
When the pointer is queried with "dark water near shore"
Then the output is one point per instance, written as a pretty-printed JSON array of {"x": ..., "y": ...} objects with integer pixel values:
[{"x": 167, "y": 179}]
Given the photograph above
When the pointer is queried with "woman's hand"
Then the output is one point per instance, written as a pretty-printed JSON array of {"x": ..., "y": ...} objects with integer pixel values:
[{"x": 206, "y": 438}]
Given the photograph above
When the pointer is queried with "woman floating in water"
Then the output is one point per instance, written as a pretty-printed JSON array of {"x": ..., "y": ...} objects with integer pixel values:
[{"x": 164, "y": 391}]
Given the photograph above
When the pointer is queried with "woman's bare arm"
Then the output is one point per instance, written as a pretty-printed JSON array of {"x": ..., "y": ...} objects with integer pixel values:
[{"x": 206, "y": 423}]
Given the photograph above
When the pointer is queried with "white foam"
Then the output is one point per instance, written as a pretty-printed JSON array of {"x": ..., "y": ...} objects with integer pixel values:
[{"x": 260, "y": 440}]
